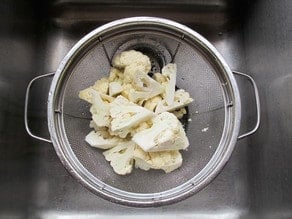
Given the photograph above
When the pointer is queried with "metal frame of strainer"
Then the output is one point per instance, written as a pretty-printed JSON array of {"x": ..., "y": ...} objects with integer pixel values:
[{"x": 199, "y": 181}]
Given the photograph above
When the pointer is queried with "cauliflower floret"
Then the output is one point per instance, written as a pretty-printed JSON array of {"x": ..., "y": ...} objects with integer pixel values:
[
  {"x": 165, "y": 160},
  {"x": 152, "y": 103},
  {"x": 100, "y": 110},
  {"x": 131, "y": 71},
  {"x": 132, "y": 57},
  {"x": 97, "y": 128},
  {"x": 142, "y": 159},
  {"x": 144, "y": 87},
  {"x": 136, "y": 66},
  {"x": 165, "y": 134},
  {"x": 101, "y": 85},
  {"x": 126, "y": 115},
  {"x": 115, "y": 88},
  {"x": 180, "y": 112},
  {"x": 169, "y": 71},
  {"x": 121, "y": 157},
  {"x": 127, "y": 124},
  {"x": 101, "y": 139},
  {"x": 181, "y": 99},
  {"x": 133, "y": 62},
  {"x": 116, "y": 75},
  {"x": 142, "y": 82},
  {"x": 86, "y": 94}
]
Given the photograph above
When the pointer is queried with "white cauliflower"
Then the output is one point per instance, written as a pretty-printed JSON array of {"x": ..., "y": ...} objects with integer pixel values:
[
  {"x": 126, "y": 90},
  {"x": 165, "y": 160},
  {"x": 136, "y": 66},
  {"x": 159, "y": 77},
  {"x": 142, "y": 126},
  {"x": 115, "y": 88},
  {"x": 132, "y": 62},
  {"x": 165, "y": 134},
  {"x": 116, "y": 75},
  {"x": 101, "y": 85},
  {"x": 144, "y": 87},
  {"x": 141, "y": 103},
  {"x": 121, "y": 157},
  {"x": 101, "y": 139},
  {"x": 129, "y": 115},
  {"x": 169, "y": 71},
  {"x": 97, "y": 128},
  {"x": 132, "y": 70},
  {"x": 181, "y": 99},
  {"x": 86, "y": 94},
  {"x": 100, "y": 110},
  {"x": 107, "y": 98},
  {"x": 126, "y": 115},
  {"x": 152, "y": 103},
  {"x": 132, "y": 57}
]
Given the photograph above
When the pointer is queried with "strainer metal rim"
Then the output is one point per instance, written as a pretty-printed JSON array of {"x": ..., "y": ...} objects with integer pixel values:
[{"x": 204, "y": 177}]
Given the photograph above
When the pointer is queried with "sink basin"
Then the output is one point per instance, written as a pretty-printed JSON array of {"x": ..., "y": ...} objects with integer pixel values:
[{"x": 253, "y": 36}]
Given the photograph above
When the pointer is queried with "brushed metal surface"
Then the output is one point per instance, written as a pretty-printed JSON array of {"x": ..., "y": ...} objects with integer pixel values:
[{"x": 256, "y": 183}]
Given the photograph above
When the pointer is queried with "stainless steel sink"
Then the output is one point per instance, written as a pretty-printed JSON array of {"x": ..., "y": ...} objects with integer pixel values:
[{"x": 253, "y": 36}]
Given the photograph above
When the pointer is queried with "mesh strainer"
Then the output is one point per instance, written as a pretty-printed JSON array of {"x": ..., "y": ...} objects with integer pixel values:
[{"x": 212, "y": 122}]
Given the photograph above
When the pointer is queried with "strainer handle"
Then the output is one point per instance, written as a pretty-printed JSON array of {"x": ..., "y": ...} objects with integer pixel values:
[
  {"x": 258, "y": 108},
  {"x": 26, "y": 106}
]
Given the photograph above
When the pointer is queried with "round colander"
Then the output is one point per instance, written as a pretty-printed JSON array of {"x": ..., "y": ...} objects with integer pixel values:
[{"x": 212, "y": 121}]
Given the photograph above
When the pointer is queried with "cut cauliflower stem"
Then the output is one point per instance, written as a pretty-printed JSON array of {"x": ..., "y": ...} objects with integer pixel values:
[
  {"x": 135, "y": 116},
  {"x": 115, "y": 88},
  {"x": 152, "y": 103},
  {"x": 169, "y": 71},
  {"x": 100, "y": 110},
  {"x": 126, "y": 115},
  {"x": 97, "y": 128},
  {"x": 142, "y": 126},
  {"x": 121, "y": 157},
  {"x": 165, "y": 134},
  {"x": 165, "y": 160},
  {"x": 144, "y": 87},
  {"x": 102, "y": 139},
  {"x": 181, "y": 99},
  {"x": 159, "y": 77},
  {"x": 86, "y": 94}
]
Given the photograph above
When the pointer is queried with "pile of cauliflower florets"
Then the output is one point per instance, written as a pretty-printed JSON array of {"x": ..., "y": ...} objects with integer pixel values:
[{"x": 135, "y": 116}]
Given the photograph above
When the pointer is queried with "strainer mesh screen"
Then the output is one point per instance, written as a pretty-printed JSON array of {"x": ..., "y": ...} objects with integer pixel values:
[{"x": 204, "y": 122}]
